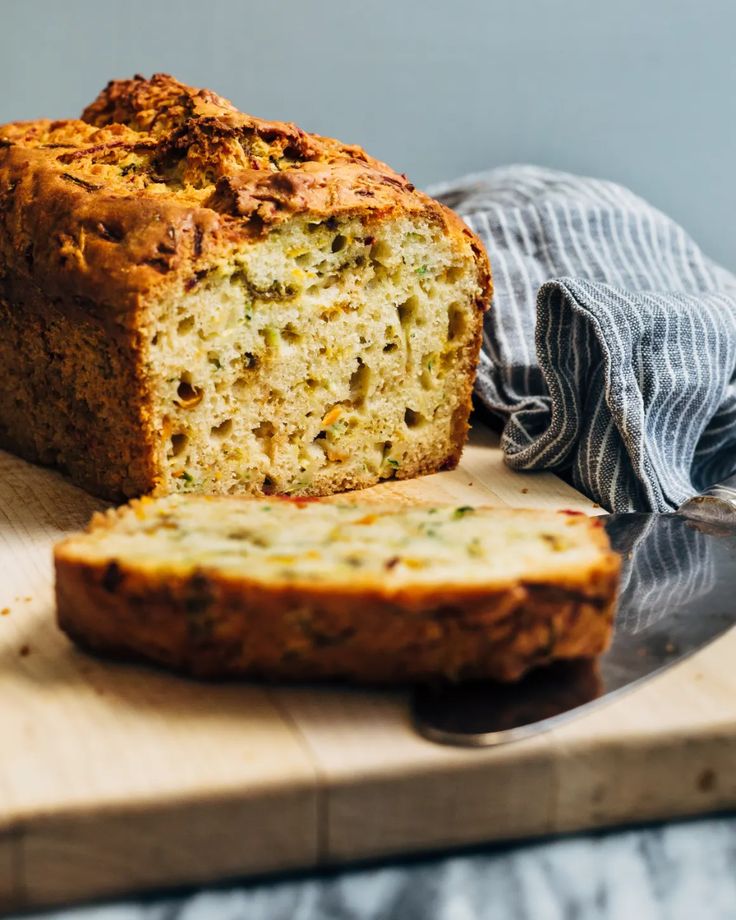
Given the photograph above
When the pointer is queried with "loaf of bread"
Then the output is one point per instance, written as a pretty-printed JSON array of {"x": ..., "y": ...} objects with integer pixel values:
[
  {"x": 196, "y": 300},
  {"x": 299, "y": 589}
]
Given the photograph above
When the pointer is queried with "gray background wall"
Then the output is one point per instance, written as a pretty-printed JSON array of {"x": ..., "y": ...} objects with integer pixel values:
[{"x": 641, "y": 91}]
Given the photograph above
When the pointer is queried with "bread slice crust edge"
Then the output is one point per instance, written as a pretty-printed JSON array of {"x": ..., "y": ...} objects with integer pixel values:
[{"x": 224, "y": 626}]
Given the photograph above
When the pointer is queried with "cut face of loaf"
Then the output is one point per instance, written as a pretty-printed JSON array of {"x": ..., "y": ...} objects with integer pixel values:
[
  {"x": 301, "y": 589},
  {"x": 328, "y": 356},
  {"x": 196, "y": 300}
]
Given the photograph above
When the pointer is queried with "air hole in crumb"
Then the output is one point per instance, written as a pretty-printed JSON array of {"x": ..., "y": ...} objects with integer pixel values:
[
  {"x": 290, "y": 335},
  {"x": 339, "y": 242},
  {"x": 188, "y": 396},
  {"x": 223, "y": 429},
  {"x": 154, "y": 340},
  {"x": 456, "y": 321},
  {"x": 269, "y": 486},
  {"x": 390, "y": 346},
  {"x": 304, "y": 259},
  {"x": 379, "y": 276},
  {"x": 178, "y": 444},
  {"x": 407, "y": 310},
  {"x": 413, "y": 419},
  {"x": 249, "y": 360},
  {"x": 264, "y": 430},
  {"x": 264, "y": 434},
  {"x": 185, "y": 325},
  {"x": 453, "y": 274},
  {"x": 380, "y": 253},
  {"x": 359, "y": 383}
]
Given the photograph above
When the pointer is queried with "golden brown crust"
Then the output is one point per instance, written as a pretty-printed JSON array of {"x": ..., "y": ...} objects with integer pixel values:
[
  {"x": 57, "y": 362},
  {"x": 217, "y": 626},
  {"x": 160, "y": 179}
]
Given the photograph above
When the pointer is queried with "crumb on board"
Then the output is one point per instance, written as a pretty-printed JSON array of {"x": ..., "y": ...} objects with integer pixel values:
[
  {"x": 25, "y": 651},
  {"x": 524, "y": 491},
  {"x": 5, "y": 611}
]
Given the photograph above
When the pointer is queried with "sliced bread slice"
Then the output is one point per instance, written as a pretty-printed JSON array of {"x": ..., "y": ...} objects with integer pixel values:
[{"x": 299, "y": 589}]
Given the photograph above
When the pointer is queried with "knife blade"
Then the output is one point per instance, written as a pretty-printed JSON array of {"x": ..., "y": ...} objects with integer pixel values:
[{"x": 677, "y": 595}]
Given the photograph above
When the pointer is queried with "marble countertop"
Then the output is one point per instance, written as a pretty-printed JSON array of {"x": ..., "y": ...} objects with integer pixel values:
[{"x": 678, "y": 871}]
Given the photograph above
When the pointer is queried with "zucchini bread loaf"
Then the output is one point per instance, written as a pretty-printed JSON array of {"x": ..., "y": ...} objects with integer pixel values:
[
  {"x": 196, "y": 300},
  {"x": 289, "y": 588}
]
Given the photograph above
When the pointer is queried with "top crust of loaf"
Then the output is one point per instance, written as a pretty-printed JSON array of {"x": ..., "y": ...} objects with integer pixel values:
[{"x": 159, "y": 180}]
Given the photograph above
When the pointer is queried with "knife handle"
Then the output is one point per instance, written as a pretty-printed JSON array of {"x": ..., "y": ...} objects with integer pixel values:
[{"x": 716, "y": 505}]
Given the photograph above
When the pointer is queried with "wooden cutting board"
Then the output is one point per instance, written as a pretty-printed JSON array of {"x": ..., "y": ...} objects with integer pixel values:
[{"x": 116, "y": 778}]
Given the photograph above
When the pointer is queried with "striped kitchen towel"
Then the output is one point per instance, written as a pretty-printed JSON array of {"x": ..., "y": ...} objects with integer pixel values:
[{"x": 610, "y": 347}]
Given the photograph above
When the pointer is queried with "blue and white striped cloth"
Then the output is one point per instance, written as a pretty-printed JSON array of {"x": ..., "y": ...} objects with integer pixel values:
[{"x": 610, "y": 347}]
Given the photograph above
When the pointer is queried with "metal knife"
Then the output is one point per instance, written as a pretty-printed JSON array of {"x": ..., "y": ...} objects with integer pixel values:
[{"x": 678, "y": 594}]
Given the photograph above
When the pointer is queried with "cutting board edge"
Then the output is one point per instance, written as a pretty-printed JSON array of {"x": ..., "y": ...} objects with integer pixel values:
[
  {"x": 32, "y": 898},
  {"x": 90, "y": 854}
]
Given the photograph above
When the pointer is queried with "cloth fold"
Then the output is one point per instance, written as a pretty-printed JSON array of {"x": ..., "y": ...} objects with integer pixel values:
[{"x": 610, "y": 347}]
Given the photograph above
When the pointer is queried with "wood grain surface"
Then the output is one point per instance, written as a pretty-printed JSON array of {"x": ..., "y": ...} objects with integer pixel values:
[{"x": 116, "y": 778}]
